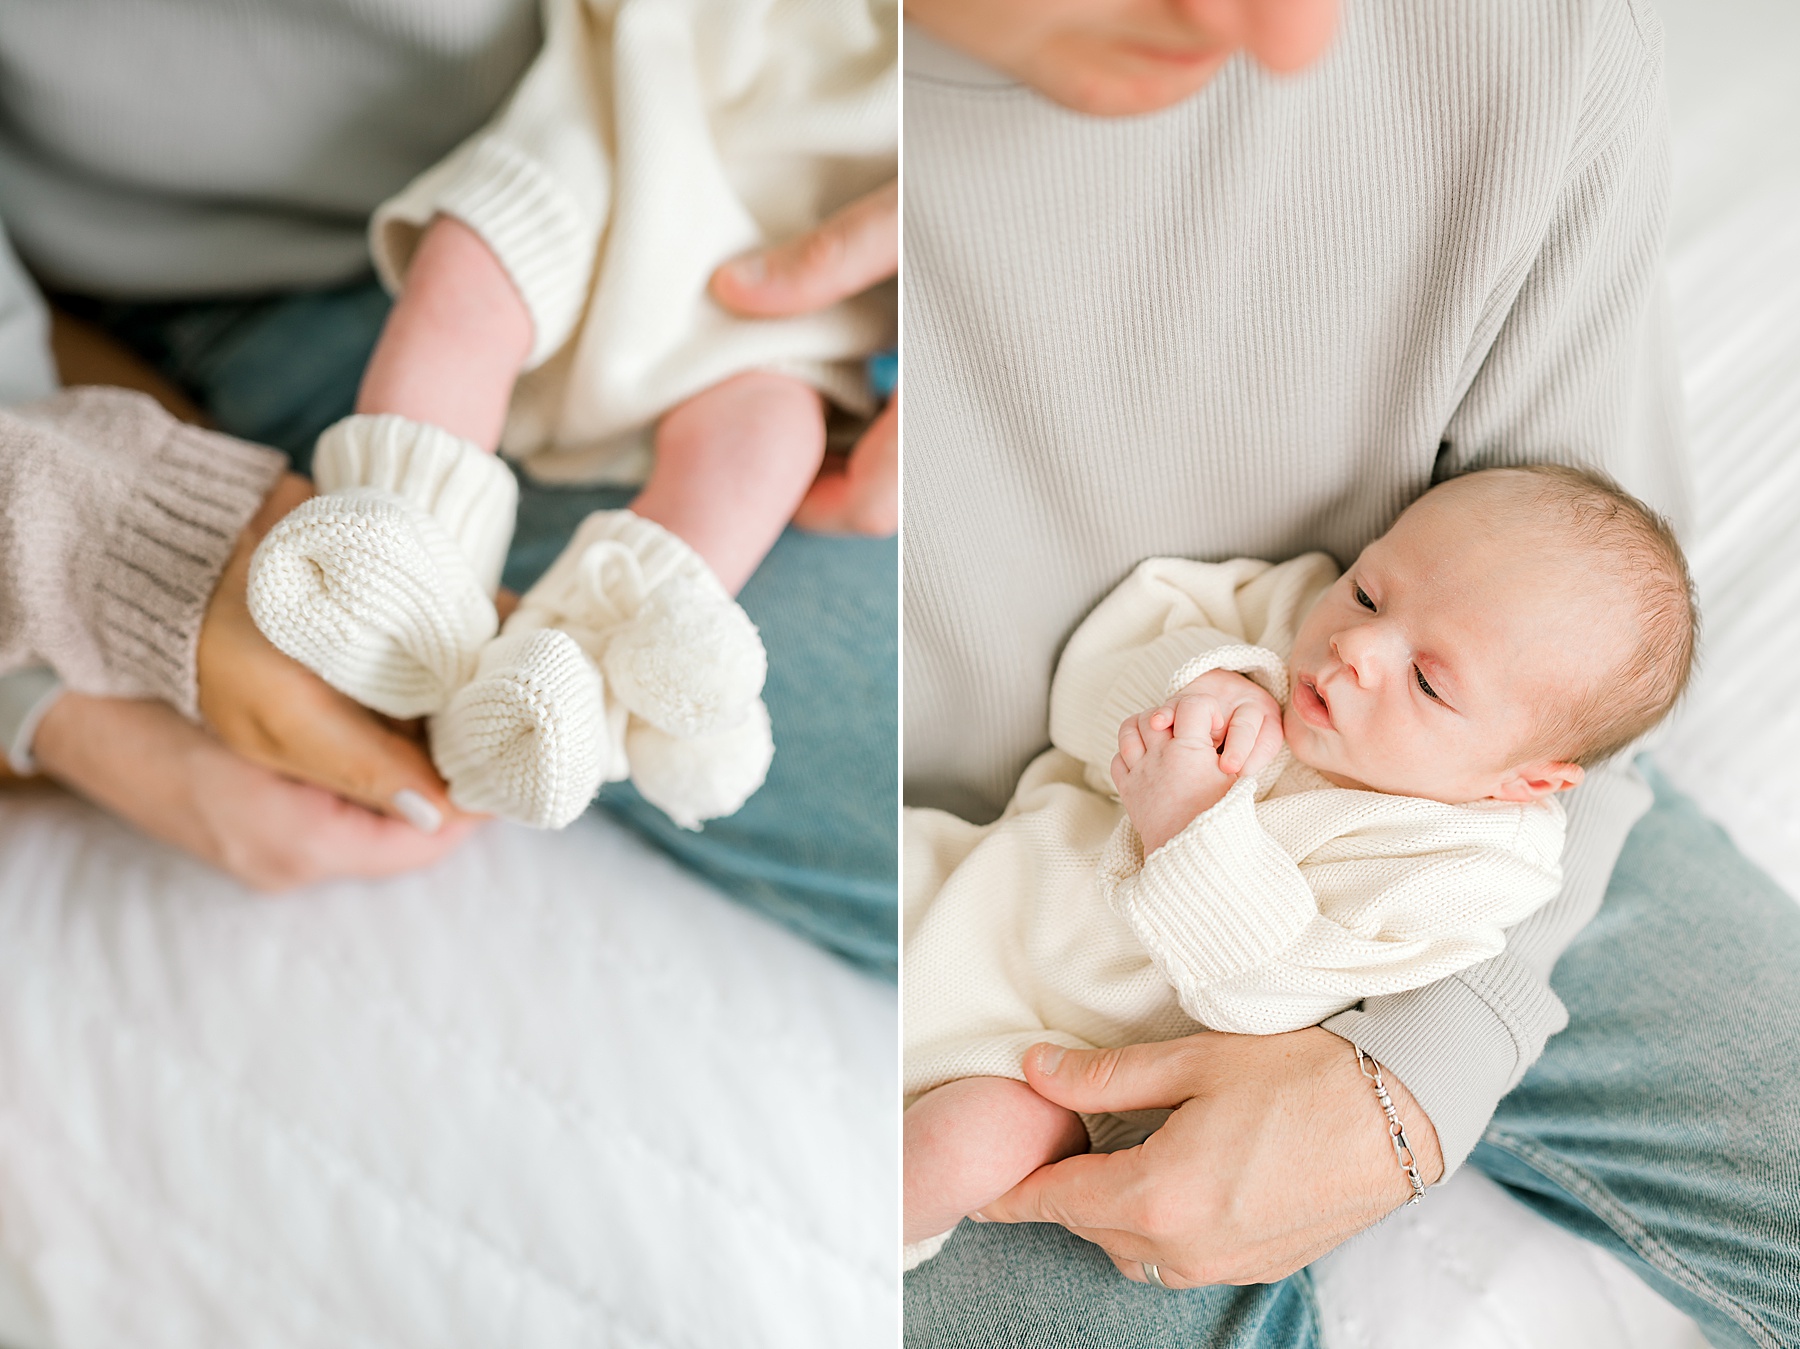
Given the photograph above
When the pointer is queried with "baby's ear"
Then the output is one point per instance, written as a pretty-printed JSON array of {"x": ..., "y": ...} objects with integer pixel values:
[{"x": 1534, "y": 781}]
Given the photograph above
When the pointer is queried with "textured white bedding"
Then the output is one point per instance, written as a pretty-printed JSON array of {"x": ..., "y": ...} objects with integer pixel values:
[{"x": 554, "y": 1093}]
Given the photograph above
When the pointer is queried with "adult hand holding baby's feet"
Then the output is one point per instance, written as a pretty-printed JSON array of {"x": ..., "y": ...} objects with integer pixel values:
[
  {"x": 276, "y": 713},
  {"x": 1178, "y": 760}
]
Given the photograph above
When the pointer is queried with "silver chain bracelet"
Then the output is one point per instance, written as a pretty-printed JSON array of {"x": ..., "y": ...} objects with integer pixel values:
[{"x": 1371, "y": 1071}]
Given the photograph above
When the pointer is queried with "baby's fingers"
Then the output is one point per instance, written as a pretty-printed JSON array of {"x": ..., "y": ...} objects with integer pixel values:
[
  {"x": 1131, "y": 743},
  {"x": 1198, "y": 720},
  {"x": 1241, "y": 739},
  {"x": 1269, "y": 741}
]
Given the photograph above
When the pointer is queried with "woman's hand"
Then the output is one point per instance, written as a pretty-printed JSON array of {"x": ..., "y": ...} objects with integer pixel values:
[
  {"x": 853, "y": 250},
  {"x": 144, "y": 763},
  {"x": 277, "y": 713},
  {"x": 1277, "y": 1151}
]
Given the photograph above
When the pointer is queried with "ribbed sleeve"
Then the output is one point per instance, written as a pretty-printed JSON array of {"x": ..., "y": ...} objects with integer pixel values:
[
  {"x": 1218, "y": 900},
  {"x": 115, "y": 523},
  {"x": 648, "y": 144},
  {"x": 466, "y": 490},
  {"x": 536, "y": 185},
  {"x": 1172, "y": 620}
]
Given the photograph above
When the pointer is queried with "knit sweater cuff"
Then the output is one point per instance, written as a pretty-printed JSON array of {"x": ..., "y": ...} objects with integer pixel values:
[
  {"x": 1459, "y": 1045},
  {"x": 168, "y": 551},
  {"x": 535, "y": 227},
  {"x": 471, "y": 493},
  {"x": 1257, "y": 663},
  {"x": 1219, "y": 898}
]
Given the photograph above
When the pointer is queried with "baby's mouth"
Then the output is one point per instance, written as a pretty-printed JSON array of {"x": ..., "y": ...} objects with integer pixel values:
[{"x": 1312, "y": 703}]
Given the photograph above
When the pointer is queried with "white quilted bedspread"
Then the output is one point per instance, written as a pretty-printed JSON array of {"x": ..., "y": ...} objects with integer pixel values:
[{"x": 554, "y": 1093}]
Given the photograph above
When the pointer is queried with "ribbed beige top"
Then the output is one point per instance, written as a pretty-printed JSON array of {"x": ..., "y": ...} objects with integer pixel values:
[{"x": 1256, "y": 324}]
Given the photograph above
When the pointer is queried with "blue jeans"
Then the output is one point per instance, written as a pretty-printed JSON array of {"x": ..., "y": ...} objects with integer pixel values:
[
  {"x": 816, "y": 848},
  {"x": 1664, "y": 1124}
]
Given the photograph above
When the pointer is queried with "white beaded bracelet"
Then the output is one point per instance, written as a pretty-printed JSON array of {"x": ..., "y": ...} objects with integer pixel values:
[{"x": 1371, "y": 1071}]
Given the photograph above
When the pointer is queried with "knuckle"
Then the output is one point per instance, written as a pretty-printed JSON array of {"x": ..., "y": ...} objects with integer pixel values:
[
  {"x": 1099, "y": 1067},
  {"x": 822, "y": 253}
]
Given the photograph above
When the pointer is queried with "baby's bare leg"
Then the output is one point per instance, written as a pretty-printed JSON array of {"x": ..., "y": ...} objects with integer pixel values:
[
  {"x": 732, "y": 464},
  {"x": 968, "y": 1142}
]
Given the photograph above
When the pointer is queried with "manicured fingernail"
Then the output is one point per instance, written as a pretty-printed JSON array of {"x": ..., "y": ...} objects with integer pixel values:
[
  {"x": 1050, "y": 1058},
  {"x": 418, "y": 812},
  {"x": 978, "y": 1218},
  {"x": 749, "y": 269}
]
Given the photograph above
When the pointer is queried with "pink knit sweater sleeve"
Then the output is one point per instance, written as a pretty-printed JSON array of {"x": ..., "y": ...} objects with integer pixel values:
[{"x": 116, "y": 521}]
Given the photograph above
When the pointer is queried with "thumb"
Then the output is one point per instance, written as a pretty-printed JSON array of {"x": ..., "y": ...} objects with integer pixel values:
[
  {"x": 1157, "y": 1076},
  {"x": 844, "y": 256},
  {"x": 319, "y": 735}
]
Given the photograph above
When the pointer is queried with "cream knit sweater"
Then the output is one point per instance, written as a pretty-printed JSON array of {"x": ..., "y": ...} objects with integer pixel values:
[
  {"x": 1259, "y": 323},
  {"x": 651, "y": 141},
  {"x": 1287, "y": 901}
]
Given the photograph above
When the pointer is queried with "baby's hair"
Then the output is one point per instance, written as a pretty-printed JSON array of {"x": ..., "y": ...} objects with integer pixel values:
[{"x": 1639, "y": 551}]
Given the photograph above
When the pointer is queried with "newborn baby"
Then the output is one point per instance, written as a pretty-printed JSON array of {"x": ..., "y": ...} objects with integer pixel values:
[{"x": 1343, "y": 786}]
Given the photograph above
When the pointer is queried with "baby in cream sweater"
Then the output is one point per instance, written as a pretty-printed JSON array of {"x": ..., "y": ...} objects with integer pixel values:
[
  {"x": 1275, "y": 791},
  {"x": 557, "y": 293}
]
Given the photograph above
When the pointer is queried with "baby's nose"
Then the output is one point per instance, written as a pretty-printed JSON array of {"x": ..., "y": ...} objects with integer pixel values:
[{"x": 1360, "y": 648}]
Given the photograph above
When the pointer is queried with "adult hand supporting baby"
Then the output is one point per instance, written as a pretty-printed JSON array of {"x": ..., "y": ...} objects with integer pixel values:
[
  {"x": 854, "y": 249},
  {"x": 231, "y": 800},
  {"x": 1277, "y": 1151},
  {"x": 145, "y": 763},
  {"x": 276, "y": 713}
]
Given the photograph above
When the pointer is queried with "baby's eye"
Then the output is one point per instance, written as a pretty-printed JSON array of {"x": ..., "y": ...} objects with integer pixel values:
[
  {"x": 1362, "y": 596},
  {"x": 1419, "y": 675}
]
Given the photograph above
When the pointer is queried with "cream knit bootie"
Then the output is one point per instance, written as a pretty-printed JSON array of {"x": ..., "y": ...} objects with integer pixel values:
[
  {"x": 674, "y": 647},
  {"x": 678, "y": 667},
  {"x": 383, "y": 583},
  {"x": 528, "y": 737},
  {"x": 703, "y": 777}
]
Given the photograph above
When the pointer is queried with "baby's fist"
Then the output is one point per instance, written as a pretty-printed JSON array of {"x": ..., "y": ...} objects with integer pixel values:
[{"x": 1245, "y": 721}]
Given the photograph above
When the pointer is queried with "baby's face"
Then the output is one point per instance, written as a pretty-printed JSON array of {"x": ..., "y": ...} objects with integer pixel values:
[{"x": 1428, "y": 668}]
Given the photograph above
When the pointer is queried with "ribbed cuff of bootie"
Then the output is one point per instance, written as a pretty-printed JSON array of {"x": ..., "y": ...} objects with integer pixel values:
[
  {"x": 675, "y": 648},
  {"x": 466, "y": 490}
]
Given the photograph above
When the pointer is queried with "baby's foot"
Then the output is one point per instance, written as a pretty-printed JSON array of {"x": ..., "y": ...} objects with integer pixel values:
[
  {"x": 674, "y": 647},
  {"x": 527, "y": 738},
  {"x": 1167, "y": 769},
  {"x": 967, "y": 1143},
  {"x": 382, "y": 584}
]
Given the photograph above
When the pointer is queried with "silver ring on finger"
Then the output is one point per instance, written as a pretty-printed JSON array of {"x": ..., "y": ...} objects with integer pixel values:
[{"x": 1153, "y": 1274}]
